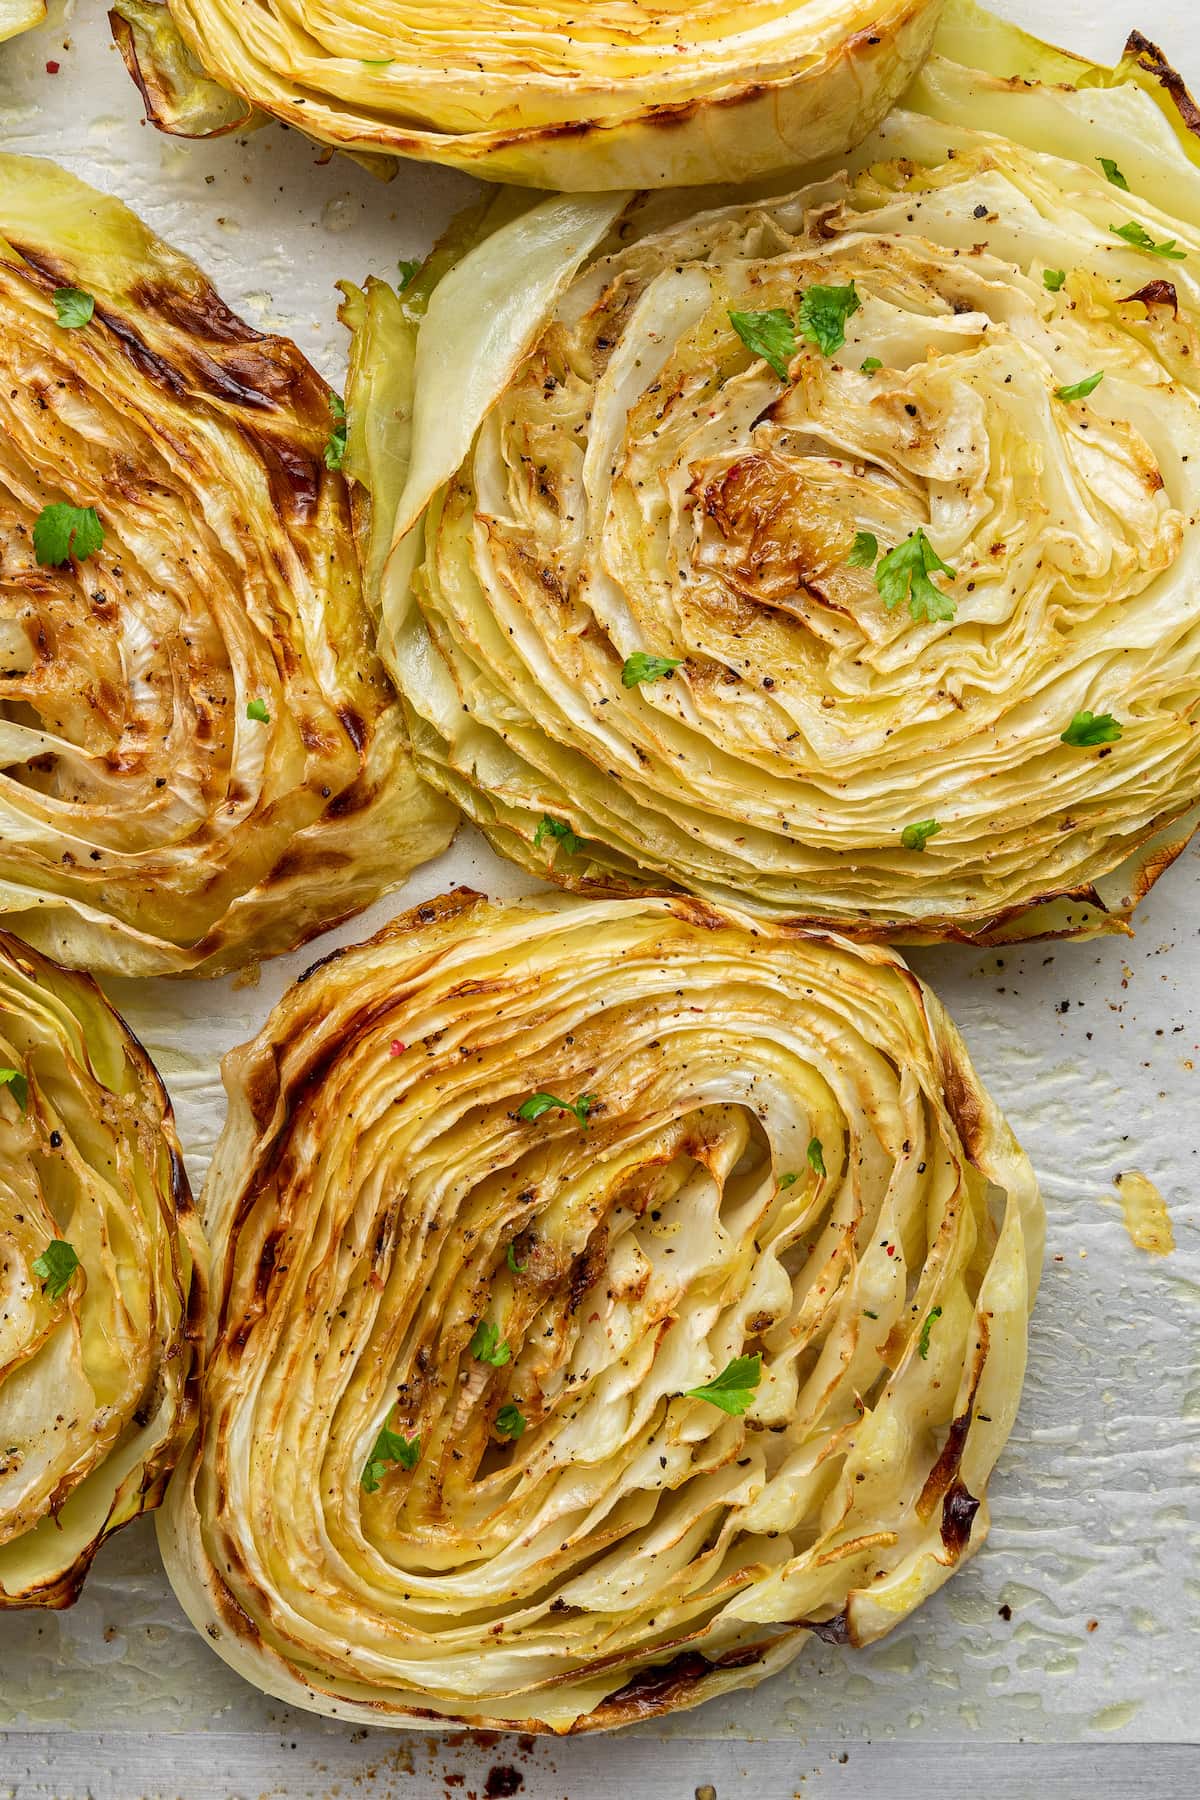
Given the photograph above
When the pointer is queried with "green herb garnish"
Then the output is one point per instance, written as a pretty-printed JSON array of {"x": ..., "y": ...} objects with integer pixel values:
[
  {"x": 510, "y": 1257},
  {"x": 61, "y": 532},
  {"x": 510, "y": 1421},
  {"x": 927, "y": 1327},
  {"x": 1079, "y": 390},
  {"x": 335, "y": 446},
  {"x": 55, "y": 1267},
  {"x": 1112, "y": 172},
  {"x": 816, "y": 1156},
  {"x": 390, "y": 1447},
  {"x": 915, "y": 837},
  {"x": 561, "y": 833},
  {"x": 864, "y": 551},
  {"x": 74, "y": 307},
  {"x": 1136, "y": 234},
  {"x": 17, "y": 1085},
  {"x": 1053, "y": 279},
  {"x": 771, "y": 335},
  {"x": 904, "y": 573},
  {"x": 823, "y": 315},
  {"x": 537, "y": 1104},
  {"x": 641, "y": 667},
  {"x": 257, "y": 710},
  {"x": 733, "y": 1389},
  {"x": 487, "y": 1346},
  {"x": 1086, "y": 730}
]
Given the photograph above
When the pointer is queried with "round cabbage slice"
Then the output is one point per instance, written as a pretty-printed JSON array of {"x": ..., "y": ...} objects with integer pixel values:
[
  {"x": 102, "y": 1274},
  {"x": 201, "y": 759},
  {"x": 615, "y": 1294},
  {"x": 583, "y": 96},
  {"x": 832, "y": 553}
]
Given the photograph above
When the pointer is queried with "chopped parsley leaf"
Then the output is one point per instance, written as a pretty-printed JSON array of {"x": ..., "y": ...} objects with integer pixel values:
[
  {"x": 1079, "y": 390},
  {"x": 864, "y": 551},
  {"x": 257, "y": 710},
  {"x": 927, "y": 1327},
  {"x": 1112, "y": 172},
  {"x": 915, "y": 837},
  {"x": 905, "y": 573},
  {"x": 733, "y": 1389},
  {"x": 537, "y": 1104},
  {"x": 17, "y": 1085},
  {"x": 1053, "y": 279},
  {"x": 870, "y": 364},
  {"x": 823, "y": 315},
  {"x": 390, "y": 1447},
  {"x": 55, "y": 1267},
  {"x": 335, "y": 446},
  {"x": 1086, "y": 730},
  {"x": 816, "y": 1156},
  {"x": 487, "y": 1346},
  {"x": 641, "y": 667},
  {"x": 61, "y": 532},
  {"x": 788, "y": 1180},
  {"x": 74, "y": 307},
  {"x": 510, "y": 1421},
  {"x": 1136, "y": 234},
  {"x": 771, "y": 335},
  {"x": 560, "y": 832},
  {"x": 510, "y": 1257}
]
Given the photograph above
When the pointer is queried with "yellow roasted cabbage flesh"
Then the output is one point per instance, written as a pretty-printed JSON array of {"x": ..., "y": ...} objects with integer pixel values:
[
  {"x": 623, "y": 476},
  {"x": 19, "y": 15},
  {"x": 577, "y": 94},
  {"x": 497, "y": 1190},
  {"x": 102, "y": 1272},
  {"x": 201, "y": 758}
]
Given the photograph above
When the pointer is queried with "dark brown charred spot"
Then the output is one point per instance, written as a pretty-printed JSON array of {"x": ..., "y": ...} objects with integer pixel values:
[
  {"x": 958, "y": 1515},
  {"x": 354, "y": 726},
  {"x": 195, "y": 309},
  {"x": 1150, "y": 58},
  {"x": 298, "y": 863},
  {"x": 293, "y": 473},
  {"x": 268, "y": 1258},
  {"x": 1155, "y": 293},
  {"x": 945, "y": 1469},
  {"x": 659, "y": 1689},
  {"x": 587, "y": 1267},
  {"x": 964, "y": 1106},
  {"x": 771, "y": 537}
]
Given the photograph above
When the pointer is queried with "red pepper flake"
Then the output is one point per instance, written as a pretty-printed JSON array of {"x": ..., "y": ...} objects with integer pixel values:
[
  {"x": 891, "y": 1249},
  {"x": 52, "y": 68},
  {"x": 397, "y": 1048}
]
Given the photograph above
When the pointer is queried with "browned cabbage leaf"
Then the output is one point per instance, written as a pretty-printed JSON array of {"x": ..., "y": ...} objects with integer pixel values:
[
  {"x": 147, "y": 823},
  {"x": 101, "y": 1276},
  {"x": 649, "y": 92},
  {"x": 497, "y": 1190},
  {"x": 626, "y": 485}
]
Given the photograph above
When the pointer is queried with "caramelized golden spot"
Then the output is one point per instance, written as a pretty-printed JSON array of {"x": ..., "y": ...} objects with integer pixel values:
[{"x": 766, "y": 532}]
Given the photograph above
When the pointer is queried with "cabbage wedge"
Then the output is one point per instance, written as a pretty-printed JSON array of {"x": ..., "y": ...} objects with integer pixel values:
[
  {"x": 831, "y": 553},
  {"x": 614, "y": 1295},
  {"x": 103, "y": 1277},
  {"x": 202, "y": 759},
  {"x": 652, "y": 93}
]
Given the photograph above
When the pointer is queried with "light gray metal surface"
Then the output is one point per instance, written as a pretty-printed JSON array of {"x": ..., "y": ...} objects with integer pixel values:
[{"x": 1093, "y": 1050}]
